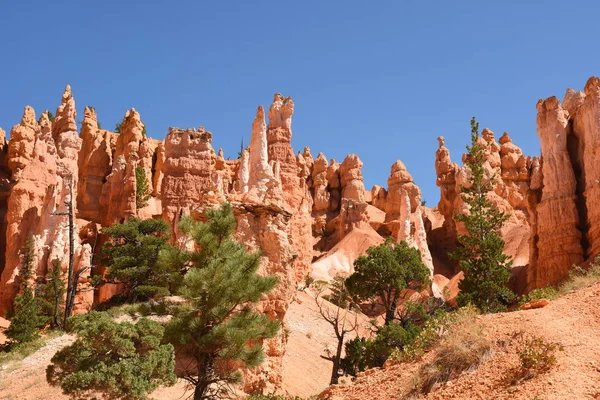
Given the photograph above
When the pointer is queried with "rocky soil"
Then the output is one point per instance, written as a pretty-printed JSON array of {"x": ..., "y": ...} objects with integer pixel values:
[{"x": 573, "y": 321}]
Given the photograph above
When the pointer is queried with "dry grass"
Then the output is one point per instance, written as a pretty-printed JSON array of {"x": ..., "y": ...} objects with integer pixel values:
[
  {"x": 579, "y": 278},
  {"x": 460, "y": 350}
]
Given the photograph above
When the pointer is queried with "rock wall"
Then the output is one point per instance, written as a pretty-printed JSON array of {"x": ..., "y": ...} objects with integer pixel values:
[
  {"x": 42, "y": 159},
  {"x": 565, "y": 200}
]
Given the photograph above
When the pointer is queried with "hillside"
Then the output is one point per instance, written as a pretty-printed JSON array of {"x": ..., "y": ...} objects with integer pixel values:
[{"x": 573, "y": 321}]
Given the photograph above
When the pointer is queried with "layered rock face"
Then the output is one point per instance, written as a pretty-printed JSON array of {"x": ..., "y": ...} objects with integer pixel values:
[
  {"x": 42, "y": 159},
  {"x": 292, "y": 173},
  {"x": 565, "y": 197}
]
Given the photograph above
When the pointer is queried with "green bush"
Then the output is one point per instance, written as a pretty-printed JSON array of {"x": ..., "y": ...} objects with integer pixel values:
[
  {"x": 362, "y": 353},
  {"x": 549, "y": 293},
  {"x": 538, "y": 355},
  {"x": 118, "y": 360}
]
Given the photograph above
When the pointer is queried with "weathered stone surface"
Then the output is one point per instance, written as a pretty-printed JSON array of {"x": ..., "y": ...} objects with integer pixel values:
[
  {"x": 403, "y": 218},
  {"x": 556, "y": 222},
  {"x": 320, "y": 194},
  {"x": 351, "y": 178},
  {"x": 188, "y": 169},
  {"x": 262, "y": 185},
  {"x": 94, "y": 164},
  {"x": 42, "y": 158},
  {"x": 294, "y": 180},
  {"x": 158, "y": 174},
  {"x": 118, "y": 193},
  {"x": 584, "y": 142}
]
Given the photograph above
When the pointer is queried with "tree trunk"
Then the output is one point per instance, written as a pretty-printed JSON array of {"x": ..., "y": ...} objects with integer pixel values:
[
  {"x": 336, "y": 361},
  {"x": 390, "y": 312},
  {"x": 71, "y": 285},
  {"x": 205, "y": 373}
]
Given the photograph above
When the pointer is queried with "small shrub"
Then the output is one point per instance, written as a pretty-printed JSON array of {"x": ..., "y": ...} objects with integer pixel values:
[
  {"x": 549, "y": 293},
  {"x": 308, "y": 280},
  {"x": 537, "y": 356},
  {"x": 118, "y": 127}
]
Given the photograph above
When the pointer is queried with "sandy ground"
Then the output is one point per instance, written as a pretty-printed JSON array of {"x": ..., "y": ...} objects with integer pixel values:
[
  {"x": 305, "y": 372},
  {"x": 573, "y": 321}
]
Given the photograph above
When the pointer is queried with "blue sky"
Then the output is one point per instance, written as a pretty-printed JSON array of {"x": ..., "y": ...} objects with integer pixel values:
[{"x": 380, "y": 79}]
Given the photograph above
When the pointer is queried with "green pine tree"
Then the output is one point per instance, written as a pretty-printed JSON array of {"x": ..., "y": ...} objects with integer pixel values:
[
  {"x": 142, "y": 188},
  {"x": 216, "y": 326},
  {"x": 26, "y": 321},
  {"x": 52, "y": 295},
  {"x": 132, "y": 257},
  {"x": 384, "y": 272},
  {"x": 118, "y": 360},
  {"x": 481, "y": 258}
]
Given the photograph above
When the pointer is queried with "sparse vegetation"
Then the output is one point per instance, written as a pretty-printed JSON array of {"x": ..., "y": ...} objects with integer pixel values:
[
  {"x": 579, "y": 278},
  {"x": 118, "y": 127},
  {"x": 142, "y": 188},
  {"x": 339, "y": 316},
  {"x": 16, "y": 352},
  {"x": 537, "y": 356},
  {"x": 27, "y": 319},
  {"x": 460, "y": 349},
  {"x": 549, "y": 293},
  {"x": 308, "y": 280},
  {"x": 481, "y": 257}
]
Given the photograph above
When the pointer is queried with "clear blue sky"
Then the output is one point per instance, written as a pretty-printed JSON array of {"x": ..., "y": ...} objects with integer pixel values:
[{"x": 381, "y": 79}]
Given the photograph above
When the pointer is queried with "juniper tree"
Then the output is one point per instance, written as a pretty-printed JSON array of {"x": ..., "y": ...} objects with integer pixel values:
[
  {"x": 384, "y": 272},
  {"x": 52, "y": 294},
  {"x": 216, "y": 326},
  {"x": 142, "y": 189},
  {"x": 118, "y": 360},
  {"x": 132, "y": 257},
  {"x": 481, "y": 258},
  {"x": 26, "y": 320}
]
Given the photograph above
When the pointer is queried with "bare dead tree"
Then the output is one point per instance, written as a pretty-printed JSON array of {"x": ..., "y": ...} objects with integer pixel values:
[
  {"x": 340, "y": 316},
  {"x": 71, "y": 279}
]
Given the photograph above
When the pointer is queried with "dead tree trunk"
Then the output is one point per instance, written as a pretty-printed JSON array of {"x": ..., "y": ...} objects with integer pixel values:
[{"x": 71, "y": 279}]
